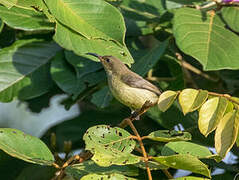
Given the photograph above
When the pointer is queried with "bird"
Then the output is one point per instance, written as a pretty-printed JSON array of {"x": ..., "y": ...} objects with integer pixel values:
[{"x": 126, "y": 86}]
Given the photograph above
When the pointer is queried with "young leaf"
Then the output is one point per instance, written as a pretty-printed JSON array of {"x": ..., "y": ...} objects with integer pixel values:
[
  {"x": 110, "y": 145},
  {"x": 205, "y": 37},
  {"x": 106, "y": 177},
  {"x": 25, "y": 19},
  {"x": 72, "y": 40},
  {"x": 167, "y": 136},
  {"x": 185, "y": 162},
  {"x": 191, "y": 99},
  {"x": 166, "y": 99},
  {"x": 231, "y": 15},
  {"x": 182, "y": 147},
  {"x": 20, "y": 64},
  {"x": 211, "y": 113},
  {"x": 23, "y": 146},
  {"x": 226, "y": 132},
  {"x": 89, "y": 167}
]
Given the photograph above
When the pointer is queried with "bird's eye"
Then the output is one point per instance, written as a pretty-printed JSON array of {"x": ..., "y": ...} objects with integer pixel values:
[{"x": 107, "y": 60}]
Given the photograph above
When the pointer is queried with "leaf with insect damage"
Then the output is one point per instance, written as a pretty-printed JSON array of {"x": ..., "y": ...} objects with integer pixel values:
[{"x": 110, "y": 145}]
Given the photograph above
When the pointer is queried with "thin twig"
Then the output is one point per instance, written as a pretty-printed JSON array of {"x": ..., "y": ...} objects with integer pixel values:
[
  {"x": 141, "y": 146},
  {"x": 224, "y": 95}
]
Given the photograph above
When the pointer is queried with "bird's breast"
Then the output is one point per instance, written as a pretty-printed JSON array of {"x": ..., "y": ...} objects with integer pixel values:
[{"x": 129, "y": 96}]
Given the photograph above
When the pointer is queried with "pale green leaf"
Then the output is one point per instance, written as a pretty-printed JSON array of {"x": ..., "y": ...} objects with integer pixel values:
[
  {"x": 185, "y": 162},
  {"x": 166, "y": 99},
  {"x": 191, "y": 99},
  {"x": 21, "y": 67},
  {"x": 95, "y": 19},
  {"x": 24, "y": 19},
  {"x": 23, "y": 146},
  {"x": 71, "y": 40},
  {"x": 205, "y": 37},
  {"x": 211, "y": 113},
  {"x": 167, "y": 136},
  {"x": 226, "y": 132},
  {"x": 182, "y": 147},
  {"x": 231, "y": 16},
  {"x": 110, "y": 145}
]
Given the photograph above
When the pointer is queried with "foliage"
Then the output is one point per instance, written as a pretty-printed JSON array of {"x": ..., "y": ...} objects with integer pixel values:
[{"x": 174, "y": 44}]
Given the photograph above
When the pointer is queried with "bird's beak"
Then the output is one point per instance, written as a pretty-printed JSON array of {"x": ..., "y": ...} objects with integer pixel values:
[{"x": 96, "y": 55}]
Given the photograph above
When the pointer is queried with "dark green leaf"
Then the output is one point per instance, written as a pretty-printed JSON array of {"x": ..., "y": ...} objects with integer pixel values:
[
  {"x": 102, "y": 97},
  {"x": 22, "y": 66}
]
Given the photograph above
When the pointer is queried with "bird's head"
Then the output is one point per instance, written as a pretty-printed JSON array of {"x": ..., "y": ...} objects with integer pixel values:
[{"x": 110, "y": 63}]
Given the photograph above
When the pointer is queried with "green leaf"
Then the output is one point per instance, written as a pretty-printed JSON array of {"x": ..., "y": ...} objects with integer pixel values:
[
  {"x": 89, "y": 167},
  {"x": 191, "y": 99},
  {"x": 22, "y": 66},
  {"x": 182, "y": 147},
  {"x": 185, "y": 162},
  {"x": 63, "y": 74},
  {"x": 93, "y": 19},
  {"x": 1, "y": 25},
  {"x": 231, "y": 15},
  {"x": 148, "y": 61},
  {"x": 106, "y": 177},
  {"x": 211, "y": 113},
  {"x": 110, "y": 145},
  {"x": 71, "y": 40},
  {"x": 102, "y": 97},
  {"x": 205, "y": 37},
  {"x": 40, "y": 173},
  {"x": 28, "y": 148},
  {"x": 24, "y": 19},
  {"x": 226, "y": 132},
  {"x": 151, "y": 164},
  {"x": 166, "y": 99},
  {"x": 172, "y": 117},
  {"x": 167, "y": 136},
  {"x": 74, "y": 80}
]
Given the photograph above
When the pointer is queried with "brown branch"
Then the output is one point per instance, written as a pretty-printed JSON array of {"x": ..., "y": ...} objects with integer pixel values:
[
  {"x": 129, "y": 122},
  {"x": 224, "y": 95}
]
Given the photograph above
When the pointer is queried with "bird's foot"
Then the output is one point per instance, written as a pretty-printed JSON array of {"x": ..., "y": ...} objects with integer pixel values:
[{"x": 137, "y": 113}]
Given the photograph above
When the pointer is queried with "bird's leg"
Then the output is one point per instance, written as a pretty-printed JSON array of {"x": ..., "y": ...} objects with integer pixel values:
[{"x": 135, "y": 114}]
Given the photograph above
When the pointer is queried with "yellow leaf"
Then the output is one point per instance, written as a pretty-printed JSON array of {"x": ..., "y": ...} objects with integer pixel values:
[
  {"x": 210, "y": 114},
  {"x": 192, "y": 99},
  {"x": 166, "y": 99},
  {"x": 226, "y": 132}
]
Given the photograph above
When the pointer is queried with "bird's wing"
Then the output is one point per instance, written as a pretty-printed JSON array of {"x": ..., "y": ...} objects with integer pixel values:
[{"x": 136, "y": 81}]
